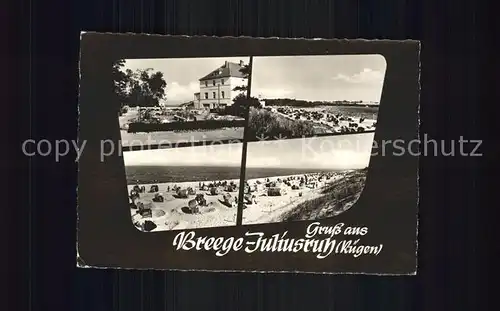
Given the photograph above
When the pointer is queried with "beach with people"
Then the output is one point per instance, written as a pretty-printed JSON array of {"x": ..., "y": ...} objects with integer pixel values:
[{"x": 202, "y": 204}]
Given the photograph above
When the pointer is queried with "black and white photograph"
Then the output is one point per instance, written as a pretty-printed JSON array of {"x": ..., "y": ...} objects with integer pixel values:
[
  {"x": 171, "y": 102},
  {"x": 248, "y": 154},
  {"x": 305, "y": 178},
  {"x": 286, "y": 180},
  {"x": 183, "y": 188},
  {"x": 303, "y": 96}
]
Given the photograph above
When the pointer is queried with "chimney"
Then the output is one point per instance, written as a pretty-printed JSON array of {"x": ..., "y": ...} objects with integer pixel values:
[
  {"x": 225, "y": 64},
  {"x": 241, "y": 63}
]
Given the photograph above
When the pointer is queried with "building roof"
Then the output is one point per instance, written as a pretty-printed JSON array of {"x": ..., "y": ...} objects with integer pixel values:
[{"x": 227, "y": 70}]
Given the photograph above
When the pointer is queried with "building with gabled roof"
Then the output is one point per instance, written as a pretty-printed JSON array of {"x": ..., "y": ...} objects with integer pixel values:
[{"x": 217, "y": 87}]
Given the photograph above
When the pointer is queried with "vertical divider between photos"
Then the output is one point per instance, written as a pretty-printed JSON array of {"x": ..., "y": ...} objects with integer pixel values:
[{"x": 241, "y": 189}]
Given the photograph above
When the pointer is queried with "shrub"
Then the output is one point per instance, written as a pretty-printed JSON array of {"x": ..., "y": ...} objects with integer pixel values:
[
  {"x": 266, "y": 123},
  {"x": 333, "y": 198}
]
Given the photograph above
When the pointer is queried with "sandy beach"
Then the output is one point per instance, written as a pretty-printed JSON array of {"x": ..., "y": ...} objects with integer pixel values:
[
  {"x": 173, "y": 214},
  {"x": 368, "y": 124},
  {"x": 269, "y": 209}
]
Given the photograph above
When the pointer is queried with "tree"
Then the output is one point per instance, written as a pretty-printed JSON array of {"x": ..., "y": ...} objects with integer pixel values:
[
  {"x": 144, "y": 87},
  {"x": 243, "y": 100},
  {"x": 120, "y": 82},
  {"x": 147, "y": 88},
  {"x": 154, "y": 83},
  {"x": 246, "y": 71}
]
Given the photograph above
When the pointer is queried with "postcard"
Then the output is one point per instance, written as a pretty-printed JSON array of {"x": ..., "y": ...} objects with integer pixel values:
[{"x": 248, "y": 154}]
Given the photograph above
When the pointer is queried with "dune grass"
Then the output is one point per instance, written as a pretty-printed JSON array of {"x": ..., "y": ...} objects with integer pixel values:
[
  {"x": 335, "y": 198},
  {"x": 265, "y": 123}
]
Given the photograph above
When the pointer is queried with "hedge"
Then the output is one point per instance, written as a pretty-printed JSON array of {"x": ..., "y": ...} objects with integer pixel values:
[{"x": 189, "y": 125}]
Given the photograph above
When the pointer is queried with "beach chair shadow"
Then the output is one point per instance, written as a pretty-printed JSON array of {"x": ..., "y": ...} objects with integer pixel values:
[
  {"x": 186, "y": 210},
  {"x": 224, "y": 203},
  {"x": 176, "y": 196}
]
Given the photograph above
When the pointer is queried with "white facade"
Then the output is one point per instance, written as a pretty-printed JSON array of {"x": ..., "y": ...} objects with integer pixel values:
[{"x": 218, "y": 92}]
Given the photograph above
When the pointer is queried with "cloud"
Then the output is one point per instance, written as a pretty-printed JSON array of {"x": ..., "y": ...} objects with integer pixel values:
[
  {"x": 176, "y": 91},
  {"x": 367, "y": 75}
]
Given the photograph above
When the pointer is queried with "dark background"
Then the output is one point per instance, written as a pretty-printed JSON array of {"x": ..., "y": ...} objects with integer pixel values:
[{"x": 44, "y": 46}]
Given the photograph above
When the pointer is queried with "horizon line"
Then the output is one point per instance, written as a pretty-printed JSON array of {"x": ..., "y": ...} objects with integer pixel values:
[
  {"x": 331, "y": 101},
  {"x": 238, "y": 166}
]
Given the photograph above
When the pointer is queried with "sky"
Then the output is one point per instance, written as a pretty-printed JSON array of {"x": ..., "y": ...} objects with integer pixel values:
[
  {"x": 330, "y": 152},
  {"x": 323, "y": 78},
  {"x": 333, "y": 152},
  {"x": 209, "y": 155}
]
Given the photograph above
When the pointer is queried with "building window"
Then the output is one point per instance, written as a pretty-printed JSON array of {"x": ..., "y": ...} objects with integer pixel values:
[
  {"x": 222, "y": 94},
  {"x": 222, "y": 81},
  {"x": 206, "y": 95},
  {"x": 206, "y": 83},
  {"x": 213, "y": 82},
  {"x": 214, "y": 95}
]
